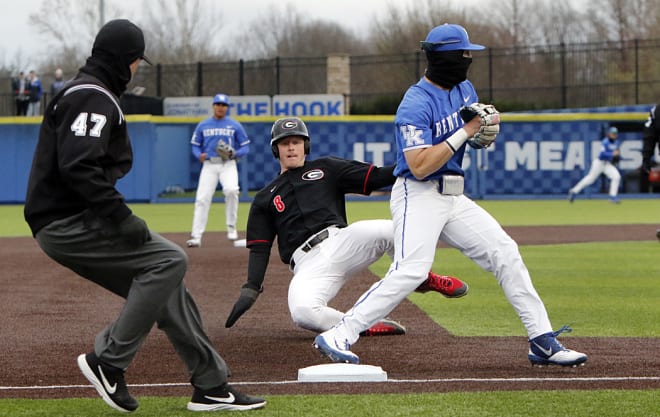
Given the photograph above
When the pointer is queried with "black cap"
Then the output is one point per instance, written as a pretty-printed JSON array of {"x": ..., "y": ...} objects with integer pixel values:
[{"x": 121, "y": 37}]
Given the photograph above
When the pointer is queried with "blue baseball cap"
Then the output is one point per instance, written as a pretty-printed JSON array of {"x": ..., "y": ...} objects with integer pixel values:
[
  {"x": 613, "y": 130},
  {"x": 221, "y": 99},
  {"x": 449, "y": 37}
]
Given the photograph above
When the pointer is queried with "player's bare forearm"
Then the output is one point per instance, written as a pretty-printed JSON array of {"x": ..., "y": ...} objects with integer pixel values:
[{"x": 424, "y": 162}]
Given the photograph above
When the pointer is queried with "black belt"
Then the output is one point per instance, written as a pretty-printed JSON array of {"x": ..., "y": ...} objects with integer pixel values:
[{"x": 320, "y": 237}]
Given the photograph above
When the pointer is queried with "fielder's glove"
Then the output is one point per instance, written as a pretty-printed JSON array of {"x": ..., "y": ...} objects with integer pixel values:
[
  {"x": 245, "y": 300},
  {"x": 616, "y": 159},
  {"x": 225, "y": 150},
  {"x": 490, "y": 124}
]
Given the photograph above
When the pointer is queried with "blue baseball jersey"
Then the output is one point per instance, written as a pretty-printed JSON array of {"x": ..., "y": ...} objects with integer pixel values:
[
  {"x": 208, "y": 132},
  {"x": 427, "y": 116},
  {"x": 607, "y": 148}
]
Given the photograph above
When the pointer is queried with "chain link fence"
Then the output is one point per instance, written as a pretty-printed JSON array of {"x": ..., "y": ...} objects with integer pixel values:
[{"x": 521, "y": 78}]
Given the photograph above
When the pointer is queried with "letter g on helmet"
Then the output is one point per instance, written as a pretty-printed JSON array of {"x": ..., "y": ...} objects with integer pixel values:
[{"x": 285, "y": 127}]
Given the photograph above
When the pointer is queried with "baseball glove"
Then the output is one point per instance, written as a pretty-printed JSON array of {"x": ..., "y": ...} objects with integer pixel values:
[
  {"x": 490, "y": 124},
  {"x": 616, "y": 158},
  {"x": 225, "y": 150}
]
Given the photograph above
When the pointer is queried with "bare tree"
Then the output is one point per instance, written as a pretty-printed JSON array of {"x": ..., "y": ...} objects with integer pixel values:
[
  {"x": 623, "y": 20},
  {"x": 67, "y": 29},
  {"x": 180, "y": 32},
  {"x": 183, "y": 31},
  {"x": 556, "y": 22},
  {"x": 284, "y": 31},
  {"x": 271, "y": 26},
  {"x": 320, "y": 38},
  {"x": 401, "y": 30},
  {"x": 11, "y": 65},
  {"x": 509, "y": 23}
]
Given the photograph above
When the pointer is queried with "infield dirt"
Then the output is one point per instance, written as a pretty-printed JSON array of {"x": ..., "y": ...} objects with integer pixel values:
[{"x": 50, "y": 315}]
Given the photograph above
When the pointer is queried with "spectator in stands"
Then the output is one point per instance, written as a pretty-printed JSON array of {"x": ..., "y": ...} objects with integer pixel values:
[
  {"x": 59, "y": 82},
  {"x": 20, "y": 88},
  {"x": 36, "y": 91}
]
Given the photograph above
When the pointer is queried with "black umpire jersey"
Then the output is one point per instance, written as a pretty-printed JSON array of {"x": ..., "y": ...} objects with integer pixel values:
[
  {"x": 303, "y": 201},
  {"x": 83, "y": 149}
]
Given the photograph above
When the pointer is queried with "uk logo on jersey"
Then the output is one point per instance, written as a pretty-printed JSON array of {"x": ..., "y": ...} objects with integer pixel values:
[{"x": 412, "y": 135}]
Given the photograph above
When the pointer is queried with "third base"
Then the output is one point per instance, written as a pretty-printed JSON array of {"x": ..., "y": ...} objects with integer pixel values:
[{"x": 342, "y": 372}]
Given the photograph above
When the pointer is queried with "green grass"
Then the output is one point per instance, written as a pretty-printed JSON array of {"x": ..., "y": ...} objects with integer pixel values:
[
  {"x": 177, "y": 217},
  {"x": 561, "y": 212},
  {"x": 619, "y": 280},
  {"x": 604, "y": 289},
  {"x": 604, "y": 403}
]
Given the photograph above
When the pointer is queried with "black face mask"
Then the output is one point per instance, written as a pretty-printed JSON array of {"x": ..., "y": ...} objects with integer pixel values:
[{"x": 447, "y": 69}]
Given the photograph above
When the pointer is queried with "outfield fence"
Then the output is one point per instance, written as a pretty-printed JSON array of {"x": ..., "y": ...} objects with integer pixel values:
[{"x": 556, "y": 76}]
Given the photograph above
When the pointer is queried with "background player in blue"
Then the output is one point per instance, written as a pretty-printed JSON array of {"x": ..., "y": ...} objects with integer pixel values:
[
  {"x": 606, "y": 162},
  {"x": 217, "y": 167},
  {"x": 428, "y": 204}
]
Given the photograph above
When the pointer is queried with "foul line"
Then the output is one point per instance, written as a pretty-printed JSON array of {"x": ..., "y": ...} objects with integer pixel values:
[{"x": 396, "y": 381}]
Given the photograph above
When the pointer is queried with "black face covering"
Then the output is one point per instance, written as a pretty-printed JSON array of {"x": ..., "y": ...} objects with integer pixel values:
[
  {"x": 117, "y": 45},
  {"x": 447, "y": 69}
]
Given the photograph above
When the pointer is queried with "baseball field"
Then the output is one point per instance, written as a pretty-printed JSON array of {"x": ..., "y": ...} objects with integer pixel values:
[{"x": 595, "y": 265}]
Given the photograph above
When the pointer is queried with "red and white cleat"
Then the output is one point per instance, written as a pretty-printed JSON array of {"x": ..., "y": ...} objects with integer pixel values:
[
  {"x": 448, "y": 286},
  {"x": 385, "y": 327}
]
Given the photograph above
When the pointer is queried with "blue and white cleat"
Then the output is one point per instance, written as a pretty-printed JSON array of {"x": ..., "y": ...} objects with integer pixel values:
[
  {"x": 336, "y": 352},
  {"x": 546, "y": 350}
]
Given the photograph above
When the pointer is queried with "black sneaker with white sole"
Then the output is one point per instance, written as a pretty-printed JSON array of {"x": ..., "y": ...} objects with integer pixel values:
[
  {"x": 224, "y": 397},
  {"x": 108, "y": 381}
]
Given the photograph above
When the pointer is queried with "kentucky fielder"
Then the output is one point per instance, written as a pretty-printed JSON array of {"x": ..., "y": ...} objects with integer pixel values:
[
  {"x": 428, "y": 204},
  {"x": 217, "y": 143},
  {"x": 305, "y": 209},
  {"x": 605, "y": 163}
]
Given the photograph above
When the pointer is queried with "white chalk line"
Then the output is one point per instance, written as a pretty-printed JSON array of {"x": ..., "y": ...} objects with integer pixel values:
[{"x": 395, "y": 381}]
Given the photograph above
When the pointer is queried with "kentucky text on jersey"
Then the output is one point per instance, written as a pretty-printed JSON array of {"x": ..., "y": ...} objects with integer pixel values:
[
  {"x": 219, "y": 132},
  {"x": 448, "y": 124}
]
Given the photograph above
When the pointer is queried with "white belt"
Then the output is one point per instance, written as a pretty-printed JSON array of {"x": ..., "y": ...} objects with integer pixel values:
[{"x": 451, "y": 185}]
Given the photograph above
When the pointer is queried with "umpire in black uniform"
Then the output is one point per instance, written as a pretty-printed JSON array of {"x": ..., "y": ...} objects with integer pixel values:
[{"x": 81, "y": 221}]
